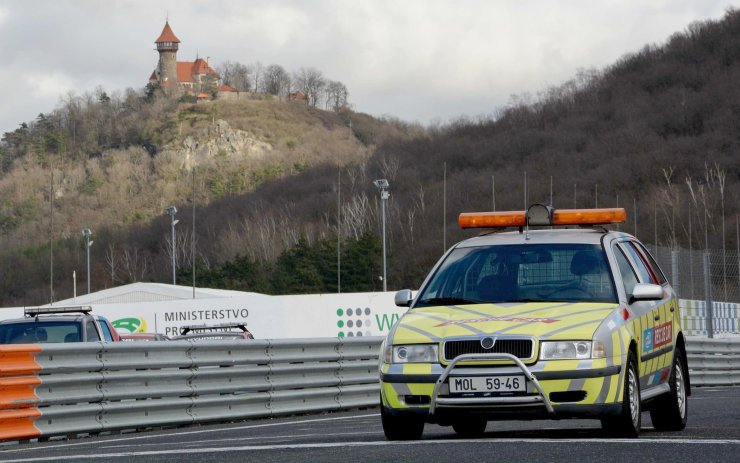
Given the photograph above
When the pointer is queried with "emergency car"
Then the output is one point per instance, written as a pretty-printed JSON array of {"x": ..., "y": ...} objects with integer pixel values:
[{"x": 558, "y": 322}]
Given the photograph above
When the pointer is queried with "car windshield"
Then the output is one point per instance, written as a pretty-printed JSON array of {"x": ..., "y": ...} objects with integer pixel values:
[
  {"x": 521, "y": 273},
  {"x": 33, "y": 332}
]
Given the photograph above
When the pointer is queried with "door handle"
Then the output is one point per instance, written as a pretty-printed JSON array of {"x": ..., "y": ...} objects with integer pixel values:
[
  {"x": 657, "y": 317},
  {"x": 672, "y": 309}
]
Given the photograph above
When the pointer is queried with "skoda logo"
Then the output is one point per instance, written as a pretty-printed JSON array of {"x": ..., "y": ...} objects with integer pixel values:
[{"x": 487, "y": 342}]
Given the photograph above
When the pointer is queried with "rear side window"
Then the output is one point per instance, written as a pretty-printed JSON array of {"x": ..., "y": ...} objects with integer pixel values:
[
  {"x": 106, "y": 331},
  {"x": 651, "y": 264},
  {"x": 629, "y": 279},
  {"x": 92, "y": 333},
  {"x": 646, "y": 274}
]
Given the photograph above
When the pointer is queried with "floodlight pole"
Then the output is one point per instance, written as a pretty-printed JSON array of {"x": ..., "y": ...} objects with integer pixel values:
[
  {"x": 86, "y": 232},
  {"x": 171, "y": 211},
  {"x": 383, "y": 186}
]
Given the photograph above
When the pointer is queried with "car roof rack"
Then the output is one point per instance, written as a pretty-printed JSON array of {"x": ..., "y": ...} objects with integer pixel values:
[
  {"x": 36, "y": 311},
  {"x": 220, "y": 327}
]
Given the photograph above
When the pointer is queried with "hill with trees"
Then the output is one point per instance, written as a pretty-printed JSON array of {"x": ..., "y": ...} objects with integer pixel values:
[{"x": 283, "y": 193}]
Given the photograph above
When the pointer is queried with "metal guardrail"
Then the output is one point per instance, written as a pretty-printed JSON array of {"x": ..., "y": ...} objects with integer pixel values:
[
  {"x": 713, "y": 362},
  {"x": 79, "y": 388},
  {"x": 69, "y": 389}
]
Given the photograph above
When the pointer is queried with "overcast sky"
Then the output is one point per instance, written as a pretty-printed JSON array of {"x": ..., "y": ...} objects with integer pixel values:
[{"x": 417, "y": 60}]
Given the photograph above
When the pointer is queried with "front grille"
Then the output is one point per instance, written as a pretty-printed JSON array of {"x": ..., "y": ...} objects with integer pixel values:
[{"x": 521, "y": 348}]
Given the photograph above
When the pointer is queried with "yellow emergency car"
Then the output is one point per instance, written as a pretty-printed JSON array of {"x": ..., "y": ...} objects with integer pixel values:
[{"x": 542, "y": 321}]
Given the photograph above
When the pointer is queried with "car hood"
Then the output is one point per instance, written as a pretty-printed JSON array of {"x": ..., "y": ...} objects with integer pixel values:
[{"x": 545, "y": 320}]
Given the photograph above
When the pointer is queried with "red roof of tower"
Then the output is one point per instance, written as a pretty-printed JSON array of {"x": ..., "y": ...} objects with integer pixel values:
[
  {"x": 200, "y": 66},
  {"x": 167, "y": 35}
]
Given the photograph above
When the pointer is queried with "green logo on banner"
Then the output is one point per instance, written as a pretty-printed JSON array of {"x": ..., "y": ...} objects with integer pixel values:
[{"x": 132, "y": 324}]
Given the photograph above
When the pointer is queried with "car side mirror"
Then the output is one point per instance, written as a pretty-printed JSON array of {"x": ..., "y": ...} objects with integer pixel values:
[
  {"x": 646, "y": 292},
  {"x": 403, "y": 298}
]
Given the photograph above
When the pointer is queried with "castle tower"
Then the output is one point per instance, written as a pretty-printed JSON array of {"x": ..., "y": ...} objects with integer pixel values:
[{"x": 167, "y": 44}]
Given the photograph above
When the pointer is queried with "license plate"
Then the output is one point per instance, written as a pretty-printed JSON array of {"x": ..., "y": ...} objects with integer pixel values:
[{"x": 483, "y": 384}]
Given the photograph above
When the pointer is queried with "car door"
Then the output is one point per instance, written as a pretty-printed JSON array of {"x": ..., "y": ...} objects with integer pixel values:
[{"x": 657, "y": 323}]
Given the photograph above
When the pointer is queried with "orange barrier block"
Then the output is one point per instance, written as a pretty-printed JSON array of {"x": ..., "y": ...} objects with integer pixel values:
[
  {"x": 18, "y": 392},
  {"x": 19, "y": 424},
  {"x": 18, "y": 381},
  {"x": 19, "y": 359}
]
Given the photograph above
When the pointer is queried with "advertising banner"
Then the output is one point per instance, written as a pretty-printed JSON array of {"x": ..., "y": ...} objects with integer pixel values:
[{"x": 274, "y": 317}]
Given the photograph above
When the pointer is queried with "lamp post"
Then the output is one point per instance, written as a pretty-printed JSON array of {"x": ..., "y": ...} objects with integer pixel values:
[
  {"x": 86, "y": 232},
  {"x": 171, "y": 211},
  {"x": 383, "y": 185}
]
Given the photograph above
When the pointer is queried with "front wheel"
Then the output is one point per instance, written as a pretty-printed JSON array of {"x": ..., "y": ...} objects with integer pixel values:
[
  {"x": 628, "y": 422},
  {"x": 400, "y": 426},
  {"x": 670, "y": 413}
]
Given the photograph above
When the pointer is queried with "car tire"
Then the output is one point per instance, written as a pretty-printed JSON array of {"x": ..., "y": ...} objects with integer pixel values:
[
  {"x": 470, "y": 427},
  {"x": 670, "y": 412},
  {"x": 629, "y": 420},
  {"x": 401, "y": 426}
]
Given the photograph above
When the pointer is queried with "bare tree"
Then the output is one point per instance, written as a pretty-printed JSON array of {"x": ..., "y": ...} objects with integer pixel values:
[
  {"x": 135, "y": 264},
  {"x": 258, "y": 71},
  {"x": 236, "y": 75},
  {"x": 669, "y": 199},
  {"x": 336, "y": 95},
  {"x": 389, "y": 166},
  {"x": 356, "y": 216},
  {"x": 311, "y": 82},
  {"x": 276, "y": 80},
  {"x": 112, "y": 262}
]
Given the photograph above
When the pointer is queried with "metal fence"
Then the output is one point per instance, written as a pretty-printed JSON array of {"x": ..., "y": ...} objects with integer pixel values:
[{"x": 701, "y": 275}]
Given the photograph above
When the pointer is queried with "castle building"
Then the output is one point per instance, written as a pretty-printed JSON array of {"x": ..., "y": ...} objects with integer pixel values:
[{"x": 194, "y": 77}]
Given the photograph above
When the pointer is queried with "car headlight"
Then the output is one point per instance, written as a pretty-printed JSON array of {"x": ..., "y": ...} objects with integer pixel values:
[
  {"x": 571, "y": 350},
  {"x": 414, "y": 353}
]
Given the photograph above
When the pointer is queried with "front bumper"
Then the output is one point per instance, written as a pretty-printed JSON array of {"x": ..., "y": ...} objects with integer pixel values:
[
  {"x": 555, "y": 389},
  {"x": 525, "y": 400}
]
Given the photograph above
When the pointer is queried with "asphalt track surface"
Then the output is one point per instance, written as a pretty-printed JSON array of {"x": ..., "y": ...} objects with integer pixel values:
[{"x": 713, "y": 434}]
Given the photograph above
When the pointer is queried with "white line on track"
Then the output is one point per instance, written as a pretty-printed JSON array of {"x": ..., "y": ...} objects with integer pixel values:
[
  {"x": 233, "y": 439},
  {"x": 209, "y": 430},
  {"x": 384, "y": 443}
]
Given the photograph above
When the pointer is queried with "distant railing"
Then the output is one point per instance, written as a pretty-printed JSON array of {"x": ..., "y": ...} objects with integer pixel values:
[{"x": 725, "y": 318}]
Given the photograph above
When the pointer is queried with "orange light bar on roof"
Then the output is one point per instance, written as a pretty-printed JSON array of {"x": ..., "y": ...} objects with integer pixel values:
[
  {"x": 601, "y": 216},
  {"x": 492, "y": 219},
  {"x": 506, "y": 219}
]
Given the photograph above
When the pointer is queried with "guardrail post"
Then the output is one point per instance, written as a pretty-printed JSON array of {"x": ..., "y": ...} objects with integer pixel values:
[
  {"x": 708, "y": 295},
  {"x": 675, "y": 272}
]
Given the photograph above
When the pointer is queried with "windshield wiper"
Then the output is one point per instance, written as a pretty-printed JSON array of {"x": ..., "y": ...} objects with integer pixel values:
[{"x": 448, "y": 300}]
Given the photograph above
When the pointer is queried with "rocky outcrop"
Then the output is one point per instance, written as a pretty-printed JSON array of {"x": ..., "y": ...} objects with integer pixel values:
[{"x": 220, "y": 140}]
